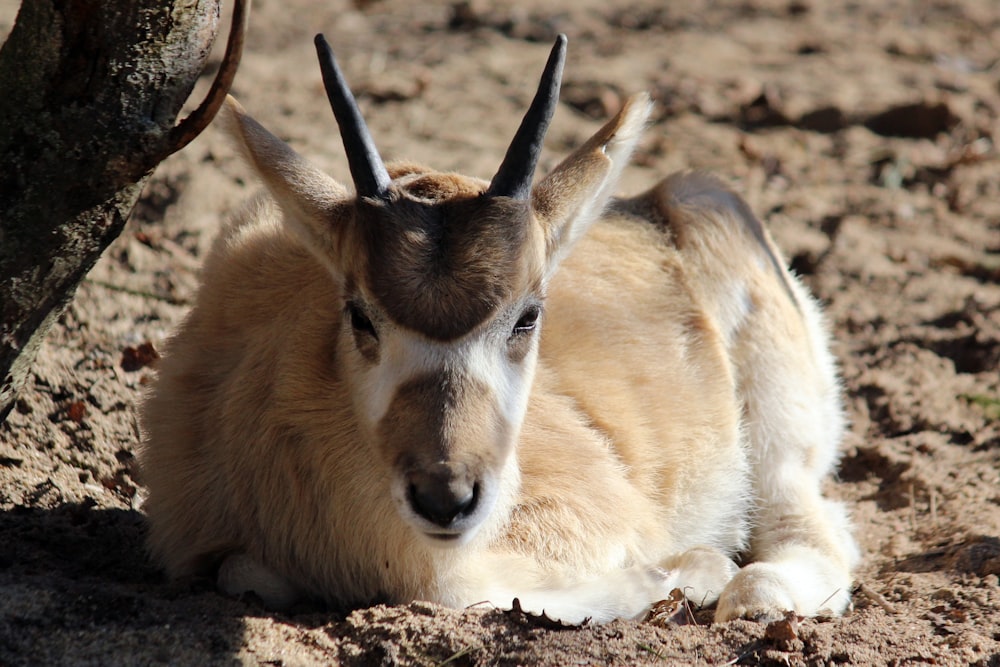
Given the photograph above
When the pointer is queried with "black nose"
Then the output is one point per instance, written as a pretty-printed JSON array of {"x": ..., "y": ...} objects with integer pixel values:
[{"x": 441, "y": 496}]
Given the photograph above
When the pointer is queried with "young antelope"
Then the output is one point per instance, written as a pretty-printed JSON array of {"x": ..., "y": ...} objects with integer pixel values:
[{"x": 437, "y": 387}]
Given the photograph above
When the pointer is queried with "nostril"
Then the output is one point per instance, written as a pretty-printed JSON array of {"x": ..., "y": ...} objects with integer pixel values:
[{"x": 442, "y": 502}]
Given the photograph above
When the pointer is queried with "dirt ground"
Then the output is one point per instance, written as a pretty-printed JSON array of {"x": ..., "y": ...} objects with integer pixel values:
[{"x": 863, "y": 132}]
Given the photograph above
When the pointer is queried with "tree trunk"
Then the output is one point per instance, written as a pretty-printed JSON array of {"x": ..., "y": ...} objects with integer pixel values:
[{"x": 89, "y": 92}]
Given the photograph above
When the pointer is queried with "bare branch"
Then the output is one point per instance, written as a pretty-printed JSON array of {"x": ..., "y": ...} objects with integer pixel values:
[{"x": 188, "y": 129}]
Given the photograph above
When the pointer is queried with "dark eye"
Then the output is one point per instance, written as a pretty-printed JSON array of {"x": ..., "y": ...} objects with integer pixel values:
[
  {"x": 359, "y": 321},
  {"x": 528, "y": 320}
]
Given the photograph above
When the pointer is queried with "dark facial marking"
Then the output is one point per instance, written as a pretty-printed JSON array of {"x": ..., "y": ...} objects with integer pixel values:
[{"x": 442, "y": 268}]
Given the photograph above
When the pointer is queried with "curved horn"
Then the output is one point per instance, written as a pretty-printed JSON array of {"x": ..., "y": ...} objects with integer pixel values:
[
  {"x": 513, "y": 179},
  {"x": 367, "y": 169}
]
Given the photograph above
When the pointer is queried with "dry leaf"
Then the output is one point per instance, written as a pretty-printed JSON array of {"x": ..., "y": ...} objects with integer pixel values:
[
  {"x": 675, "y": 610},
  {"x": 784, "y": 629},
  {"x": 135, "y": 358},
  {"x": 76, "y": 411}
]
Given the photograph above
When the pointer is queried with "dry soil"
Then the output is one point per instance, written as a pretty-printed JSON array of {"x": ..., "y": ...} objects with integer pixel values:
[{"x": 863, "y": 132}]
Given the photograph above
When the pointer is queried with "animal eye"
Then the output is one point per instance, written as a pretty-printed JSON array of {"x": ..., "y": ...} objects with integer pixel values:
[
  {"x": 528, "y": 320},
  {"x": 359, "y": 321}
]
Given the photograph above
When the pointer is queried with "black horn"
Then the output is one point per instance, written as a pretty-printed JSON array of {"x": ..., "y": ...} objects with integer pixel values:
[
  {"x": 367, "y": 169},
  {"x": 514, "y": 177}
]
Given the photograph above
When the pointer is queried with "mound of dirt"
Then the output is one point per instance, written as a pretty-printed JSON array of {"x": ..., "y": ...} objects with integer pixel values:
[{"x": 862, "y": 132}]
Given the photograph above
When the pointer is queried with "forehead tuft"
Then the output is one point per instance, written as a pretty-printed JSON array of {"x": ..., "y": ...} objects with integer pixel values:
[
  {"x": 441, "y": 258},
  {"x": 419, "y": 183}
]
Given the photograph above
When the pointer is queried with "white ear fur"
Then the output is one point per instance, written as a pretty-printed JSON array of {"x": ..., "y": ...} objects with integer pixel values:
[
  {"x": 311, "y": 200},
  {"x": 575, "y": 193}
]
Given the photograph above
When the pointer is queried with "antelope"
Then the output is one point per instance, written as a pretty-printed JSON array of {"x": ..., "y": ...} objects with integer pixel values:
[{"x": 437, "y": 387}]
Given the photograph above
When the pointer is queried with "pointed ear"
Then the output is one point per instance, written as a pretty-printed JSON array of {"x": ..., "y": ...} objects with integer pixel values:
[
  {"x": 310, "y": 200},
  {"x": 574, "y": 194}
]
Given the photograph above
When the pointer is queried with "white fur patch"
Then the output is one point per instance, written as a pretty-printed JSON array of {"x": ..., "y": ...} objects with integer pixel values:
[{"x": 480, "y": 356}]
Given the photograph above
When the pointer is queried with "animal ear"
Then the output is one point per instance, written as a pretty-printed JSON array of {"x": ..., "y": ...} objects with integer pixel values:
[
  {"x": 574, "y": 194},
  {"x": 310, "y": 199}
]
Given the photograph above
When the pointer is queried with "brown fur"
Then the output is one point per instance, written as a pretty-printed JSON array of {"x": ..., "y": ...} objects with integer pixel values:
[
  {"x": 421, "y": 411},
  {"x": 444, "y": 266}
]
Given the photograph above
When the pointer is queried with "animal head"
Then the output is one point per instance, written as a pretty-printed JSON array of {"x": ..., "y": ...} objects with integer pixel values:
[{"x": 442, "y": 282}]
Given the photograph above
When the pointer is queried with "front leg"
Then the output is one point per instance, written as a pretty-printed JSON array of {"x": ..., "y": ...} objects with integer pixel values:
[
  {"x": 241, "y": 573},
  {"x": 618, "y": 593},
  {"x": 700, "y": 573}
]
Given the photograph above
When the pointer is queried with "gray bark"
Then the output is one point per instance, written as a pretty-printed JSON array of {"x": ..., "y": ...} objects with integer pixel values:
[{"x": 89, "y": 92}]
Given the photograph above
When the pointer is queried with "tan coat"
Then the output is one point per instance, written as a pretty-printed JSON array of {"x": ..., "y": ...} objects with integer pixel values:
[{"x": 582, "y": 403}]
